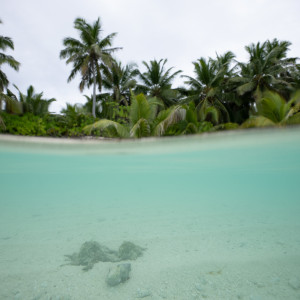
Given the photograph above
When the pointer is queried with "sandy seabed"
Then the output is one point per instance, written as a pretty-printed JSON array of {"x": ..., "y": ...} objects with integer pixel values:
[
  {"x": 191, "y": 254},
  {"x": 186, "y": 258}
]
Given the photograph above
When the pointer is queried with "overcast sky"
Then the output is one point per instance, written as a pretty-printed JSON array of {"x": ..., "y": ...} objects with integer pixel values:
[{"x": 180, "y": 30}]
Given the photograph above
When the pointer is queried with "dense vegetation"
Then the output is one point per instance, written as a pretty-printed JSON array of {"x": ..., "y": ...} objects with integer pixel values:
[{"x": 131, "y": 102}]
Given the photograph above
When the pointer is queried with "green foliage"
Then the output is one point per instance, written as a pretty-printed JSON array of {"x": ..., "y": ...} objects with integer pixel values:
[
  {"x": 168, "y": 118},
  {"x": 27, "y": 124},
  {"x": 268, "y": 68},
  {"x": 141, "y": 128},
  {"x": 2, "y": 125},
  {"x": 47, "y": 125},
  {"x": 257, "y": 121},
  {"x": 120, "y": 80},
  {"x": 6, "y": 43},
  {"x": 273, "y": 109},
  {"x": 157, "y": 82},
  {"x": 227, "y": 126},
  {"x": 206, "y": 89},
  {"x": 88, "y": 55},
  {"x": 222, "y": 93},
  {"x": 116, "y": 112},
  {"x": 107, "y": 128},
  {"x": 141, "y": 114},
  {"x": 144, "y": 121},
  {"x": 12, "y": 105},
  {"x": 70, "y": 126},
  {"x": 205, "y": 127},
  {"x": 34, "y": 103},
  {"x": 140, "y": 109}
]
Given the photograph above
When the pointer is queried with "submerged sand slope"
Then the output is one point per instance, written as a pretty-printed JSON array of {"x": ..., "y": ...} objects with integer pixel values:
[
  {"x": 184, "y": 263},
  {"x": 218, "y": 215}
]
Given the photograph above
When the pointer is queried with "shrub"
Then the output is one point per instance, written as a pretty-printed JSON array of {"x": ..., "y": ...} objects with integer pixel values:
[{"x": 27, "y": 124}]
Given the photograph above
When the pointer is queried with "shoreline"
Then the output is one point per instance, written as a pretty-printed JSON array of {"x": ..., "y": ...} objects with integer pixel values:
[
  {"x": 92, "y": 139},
  {"x": 230, "y": 139}
]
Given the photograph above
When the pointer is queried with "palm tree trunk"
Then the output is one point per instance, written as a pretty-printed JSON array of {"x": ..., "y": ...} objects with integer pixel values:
[
  {"x": 1, "y": 91},
  {"x": 94, "y": 94}
]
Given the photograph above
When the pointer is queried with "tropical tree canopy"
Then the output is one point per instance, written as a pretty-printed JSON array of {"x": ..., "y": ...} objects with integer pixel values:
[
  {"x": 206, "y": 87},
  {"x": 6, "y": 43},
  {"x": 34, "y": 103},
  {"x": 221, "y": 94},
  {"x": 144, "y": 120},
  {"x": 268, "y": 68},
  {"x": 157, "y": 82},
  {"x": 120, "y": 80},
  {"x": 88, "y": 54},
  {"x": 273, "y": 109}
]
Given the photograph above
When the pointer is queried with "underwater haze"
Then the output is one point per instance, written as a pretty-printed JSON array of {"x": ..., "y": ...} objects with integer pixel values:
[{"x": 217, "y": 215}]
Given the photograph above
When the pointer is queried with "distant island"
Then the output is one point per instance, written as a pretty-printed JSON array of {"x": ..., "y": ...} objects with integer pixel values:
[{"x": 128, "y": 102}]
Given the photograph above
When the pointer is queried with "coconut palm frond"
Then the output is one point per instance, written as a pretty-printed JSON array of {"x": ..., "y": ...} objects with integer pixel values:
[
  {"x": 296, "y": 97},
  {"x": 6, "y": 43},
  {"x": 87, "y": 54},
  {"x": 223, "y": 110},
  {"x": 294, "y": 119},
  {"x": 226, "y": 126},
  {"x": 140, "y": 108},
  {"x": 246, "y": 87},
  {"x": 168, "y": 117},
  {"x": 12, "y": 105},
  {"x": 34, "y": 102},
  {"x": 140, "y": 129},
  {"x": 291, "y": 111},
  {"x": 157, "y": 82},
  {"x": 257, "y": 121},
  {"x": 155, "y": 105},
  {"x": 273, "y": 107},
  {"x": 2, "y": 124},
  {"x": 104, "y": 124},
  {"x": 209, "y": 112}
]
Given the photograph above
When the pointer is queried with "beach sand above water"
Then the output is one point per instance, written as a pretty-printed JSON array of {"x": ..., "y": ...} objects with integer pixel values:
[{"x": 201, "y": 243}]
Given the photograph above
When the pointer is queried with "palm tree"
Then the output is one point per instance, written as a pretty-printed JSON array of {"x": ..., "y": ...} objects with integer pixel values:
[
  {"x": 6, "y": 43},
  {"x": 143, "y": 119},
  {"x": 206, "y": 87},
  {"x": 34, "y": 103},
  {"x": 12, "y": 105},
  {"x": 100, "y": 98},
  {"x": 73, "y": 110},
  {"x": 157, "y": 82},
  {"x": 295, "y": 74},
  {"x": 177, "y": 120},
  {"x": 224, "y": 62},
  {"x": 74, "y": 115},
  {"x": 273, "y": 109},
  {"x": 120, "y": 80},
  {"x": 88, "y": 54},
  {"x": 268, "y": 68}
]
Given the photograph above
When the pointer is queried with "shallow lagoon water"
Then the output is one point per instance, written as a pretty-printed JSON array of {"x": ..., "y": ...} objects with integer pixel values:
[{"x": 218, "y": 214}]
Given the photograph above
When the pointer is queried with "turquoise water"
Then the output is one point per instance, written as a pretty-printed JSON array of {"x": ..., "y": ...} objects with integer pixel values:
[{"x": 219, "y": 216}]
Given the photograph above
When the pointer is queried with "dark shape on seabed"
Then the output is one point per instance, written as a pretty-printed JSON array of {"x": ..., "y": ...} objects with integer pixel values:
[
  {"x": 92, "y": 252},
  {"x": 130, "y": 251},
  {"x": 118, "y": 274}
]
